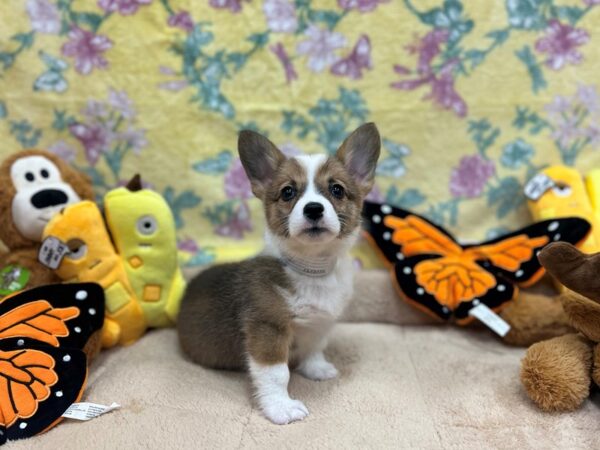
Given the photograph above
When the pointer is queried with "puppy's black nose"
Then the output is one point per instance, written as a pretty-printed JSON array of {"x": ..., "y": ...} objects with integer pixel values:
[
  {"x": 313, "y": 211},
  {"x": 49, "y": 197}
]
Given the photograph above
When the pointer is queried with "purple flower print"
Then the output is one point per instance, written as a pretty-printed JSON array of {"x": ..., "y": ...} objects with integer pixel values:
[
  {"x": 290, "y": 150},
  {"x": 279, "y": 51},
  {"x": 95, "y": 138},
  {"x": 44, "y": 16},
  {"x": 124, "y": 7},
  {"x": 320, "y": 45},
  {"x": 280, "y": 15},
  {"x": 443, "y": 92},
  {"x": 237, "y": 184},
  {"x": 182, "y": 20},
  {"x": 362, "y": 5},
  {"x": 560, "y": 44},
  {"x": 188, "y": 245},
  {"x": 575, "y": 120},
  {"x": 121, "y": 103},
  {"x": 591, "y": 2},
  {"x": 352, "y": 65},
  {"x": 469, "y": 178},
  {"x": 87, "y": 48},
  {"x": 237, "y": 224},
  {"x": 63, "y": 150},
  {"x": 134, "y": 138},
  {"x": 234, "y": 6}
]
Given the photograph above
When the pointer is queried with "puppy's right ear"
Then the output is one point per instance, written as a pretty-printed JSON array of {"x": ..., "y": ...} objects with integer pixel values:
[{"x": 260, "y": 159}]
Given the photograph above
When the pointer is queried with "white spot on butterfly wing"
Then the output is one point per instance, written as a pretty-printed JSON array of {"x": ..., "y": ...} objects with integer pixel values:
[
  {"x": 59, "y": 393},
  {"x": 420, "y": 291},
  {"x": 557, "y": 237},
  {"x": 501, "y": 288},
  {"x": 386, "y": 209},
  {"x": 81, "y": 295},
  {"x": 553, "y": 226},
  {"x": 519, "y": 273},
  {"x": 92, "y": 311},
  {"x": 387, "y": 236},
  {"x": 66, "y": 358},
  {"x": 77, "y": 330},
  {"x": 399, "y": 256},
  {"x": 407, "y": 270},
  {"x": 376, "y": 218},
  {"x": 23, "y": 425}
]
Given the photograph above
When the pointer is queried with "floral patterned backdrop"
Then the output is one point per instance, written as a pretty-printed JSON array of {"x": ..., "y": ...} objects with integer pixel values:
[{"x": 471, "y": 98}]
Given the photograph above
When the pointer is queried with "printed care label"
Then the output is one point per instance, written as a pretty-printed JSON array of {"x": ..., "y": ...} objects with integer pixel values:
[
  {"x": 537, "y": 186},
  {"x": 490, "y": 319},
  {"x": 87, "y": 411},
  {"x": 52, "y": 252}
]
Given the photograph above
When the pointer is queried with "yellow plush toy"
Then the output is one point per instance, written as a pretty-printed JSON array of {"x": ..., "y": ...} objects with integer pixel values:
[
  {"x": 560, "y": 191},
  {"x": 143, "y": 229},
  {"x": 90, "y": 256}
]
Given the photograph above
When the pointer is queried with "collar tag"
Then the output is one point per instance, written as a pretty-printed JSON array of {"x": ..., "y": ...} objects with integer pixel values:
[
  {"x": 490, "y": 319},
  {"x": 52, "y": 251}
]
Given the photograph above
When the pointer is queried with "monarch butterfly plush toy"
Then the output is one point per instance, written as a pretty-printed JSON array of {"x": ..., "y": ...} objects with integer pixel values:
[
  {"x": 445, "y": 279},
  {"x": 43, "y": 369}
]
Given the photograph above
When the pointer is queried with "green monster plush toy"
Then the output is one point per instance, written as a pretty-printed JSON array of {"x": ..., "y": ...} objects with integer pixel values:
[{"x": 143, "y": 230}]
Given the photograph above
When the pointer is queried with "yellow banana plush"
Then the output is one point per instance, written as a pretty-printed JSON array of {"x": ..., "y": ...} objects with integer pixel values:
[
  {"x": 560, "y": 191},
  {"x": 92, "y": 257},
  {"x": 143, "y": 229}
]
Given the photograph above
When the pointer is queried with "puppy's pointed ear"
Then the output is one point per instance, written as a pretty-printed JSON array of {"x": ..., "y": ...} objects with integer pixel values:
[
  {"x": 260, "y": 159},
  {"x": 359, "y": 153}
]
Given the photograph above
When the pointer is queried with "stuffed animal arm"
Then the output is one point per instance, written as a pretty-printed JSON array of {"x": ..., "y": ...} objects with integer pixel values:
[{"x": 557, "y": 373}]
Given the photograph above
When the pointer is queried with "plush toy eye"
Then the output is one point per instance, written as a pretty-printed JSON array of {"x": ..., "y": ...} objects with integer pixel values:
[
  {"x": 562, "y": 190},
  {"x": 29, "y": 176},
  {"x": 288, "y": 193},
  {"x": 337, "y": 190},
  {"x": 147, "y": 225},
  {"x": 44, "y": 173},
  {"x": 77, "y": 249}
]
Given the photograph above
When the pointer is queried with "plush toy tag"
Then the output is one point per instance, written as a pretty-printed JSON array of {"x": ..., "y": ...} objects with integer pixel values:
[
  {"x": 52, "y": 252},
  {"x": 88, "y": 411},
  {"x": 490, "y": 319},
  {"x": 12, "y": 279},
  {"x": 537, "y": 186}
]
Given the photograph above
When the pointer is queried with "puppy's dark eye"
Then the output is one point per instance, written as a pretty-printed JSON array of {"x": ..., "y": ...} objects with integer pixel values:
[
  {"x": 44, "y": 173},
  {"x": 288, "y": 193},
  {"x": 336, "y": 190},
  {"x": 29, "y": 176}
]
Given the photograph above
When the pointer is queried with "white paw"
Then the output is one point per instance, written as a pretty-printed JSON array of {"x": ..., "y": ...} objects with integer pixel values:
[
  {"x": 281, "y": 410},
  {"x": 318, "y": 370}
]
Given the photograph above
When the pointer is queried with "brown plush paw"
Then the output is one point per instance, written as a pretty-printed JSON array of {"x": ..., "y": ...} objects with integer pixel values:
[
  {"x": 534, "y": 318},
  {"x": 556, "y": 373}
]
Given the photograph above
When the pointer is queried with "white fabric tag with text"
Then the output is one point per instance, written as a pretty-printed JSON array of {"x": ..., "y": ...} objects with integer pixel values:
[
  {"x": 490, "y": 319},
  {"x": 537, "y": 186},
  {"x": 87, "y": 411}
]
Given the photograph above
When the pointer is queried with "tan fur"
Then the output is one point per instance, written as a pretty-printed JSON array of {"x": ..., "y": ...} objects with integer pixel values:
[
  {"x": 348, "y": 208},
  {"x": 534, "y": 318},
  {"x": 557, "y": 373},
  {"x": 289, "y": 173}
]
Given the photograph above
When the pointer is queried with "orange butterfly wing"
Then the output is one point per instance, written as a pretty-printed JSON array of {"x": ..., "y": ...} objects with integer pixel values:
[
  {"x": 25, "y": 380},
  {"x": 417, "y": 237},
  {"x": 37, "y": 320},
  {"x": 453, "y": 279},
  {"x": 509, "y": 254}
]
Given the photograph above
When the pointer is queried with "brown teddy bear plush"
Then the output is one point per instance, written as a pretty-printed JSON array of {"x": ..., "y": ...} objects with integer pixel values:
[
  {"x": 34, "y": 184},
  {"x": 557, "y": 373}
]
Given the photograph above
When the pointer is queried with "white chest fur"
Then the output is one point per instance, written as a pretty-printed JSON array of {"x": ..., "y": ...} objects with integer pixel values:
[{"x": 316, "y": 303}]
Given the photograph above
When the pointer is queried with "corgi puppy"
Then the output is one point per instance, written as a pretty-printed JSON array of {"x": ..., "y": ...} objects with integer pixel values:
[{"x": 273, "y": 313}]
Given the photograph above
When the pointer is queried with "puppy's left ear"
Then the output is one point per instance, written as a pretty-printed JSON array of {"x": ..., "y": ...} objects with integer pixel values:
[{"x": 359, "y": 153}]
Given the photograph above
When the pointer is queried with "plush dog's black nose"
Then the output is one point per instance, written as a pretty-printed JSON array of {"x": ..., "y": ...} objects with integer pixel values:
[
  {"x": 49, "y": 197},
  {"x": 313, "y": 211}
]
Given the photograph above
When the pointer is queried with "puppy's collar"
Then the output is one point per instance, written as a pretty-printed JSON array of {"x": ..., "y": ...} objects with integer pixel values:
[{"x": 310, "y": 267}]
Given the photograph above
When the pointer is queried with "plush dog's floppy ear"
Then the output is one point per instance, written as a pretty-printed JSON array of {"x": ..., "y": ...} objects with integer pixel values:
[
  {"x": 359, "y": 153},
  {"x": 260, "y": 159}
]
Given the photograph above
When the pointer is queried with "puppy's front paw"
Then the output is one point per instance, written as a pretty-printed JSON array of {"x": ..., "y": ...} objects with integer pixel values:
[
  {"x": 281, "y": 410},
  {"x": 318, "y": 369}
]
